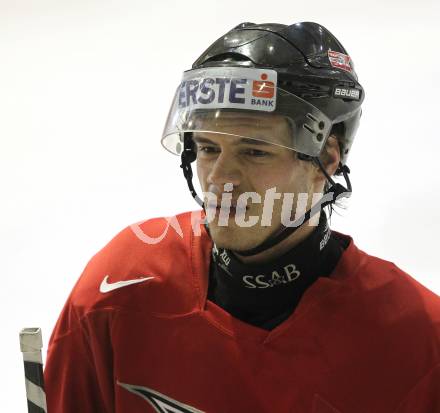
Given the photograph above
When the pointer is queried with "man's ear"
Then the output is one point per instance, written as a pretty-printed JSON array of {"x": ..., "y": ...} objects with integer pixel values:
[{"x": 331, "y": 155}]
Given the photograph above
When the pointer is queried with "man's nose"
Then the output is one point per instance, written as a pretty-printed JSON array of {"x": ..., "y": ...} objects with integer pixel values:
[{"x": 224, "y": 170}]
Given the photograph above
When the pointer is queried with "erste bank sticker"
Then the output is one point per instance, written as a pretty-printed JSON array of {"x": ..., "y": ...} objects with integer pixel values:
[
  {"x": 339, "y": 60},
  {"x": 238, "y": 88}
]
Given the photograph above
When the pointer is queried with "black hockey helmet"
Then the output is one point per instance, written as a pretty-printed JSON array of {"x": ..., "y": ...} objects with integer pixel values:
[{"x": 310, "y": 64}]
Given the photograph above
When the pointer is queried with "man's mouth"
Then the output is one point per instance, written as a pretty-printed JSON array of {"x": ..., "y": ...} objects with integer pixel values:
[{"x": 233, "y": 209}]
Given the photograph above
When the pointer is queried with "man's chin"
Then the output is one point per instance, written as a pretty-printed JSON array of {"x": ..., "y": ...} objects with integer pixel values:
[{"x": 233, "y": 238}]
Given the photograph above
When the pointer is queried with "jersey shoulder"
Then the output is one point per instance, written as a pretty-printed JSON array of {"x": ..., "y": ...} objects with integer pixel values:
[
  {"x": 146, "y": 267},
  {"x": 393, "y": 298},
  {"x": 380, "y": 274}
]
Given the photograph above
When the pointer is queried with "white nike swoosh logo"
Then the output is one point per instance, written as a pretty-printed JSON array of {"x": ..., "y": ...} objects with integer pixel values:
[{"x": 105, "y": 287}]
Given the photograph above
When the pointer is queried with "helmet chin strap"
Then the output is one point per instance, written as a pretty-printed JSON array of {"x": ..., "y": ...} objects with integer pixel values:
[
  {"x": 188, "y": 156},
  {"x": 335, "y": 192}
]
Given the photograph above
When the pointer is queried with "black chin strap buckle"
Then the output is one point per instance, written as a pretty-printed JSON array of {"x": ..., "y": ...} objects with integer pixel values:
[
  {"x": 186, "y": 166},
  {"x": 345, "y": 170}
]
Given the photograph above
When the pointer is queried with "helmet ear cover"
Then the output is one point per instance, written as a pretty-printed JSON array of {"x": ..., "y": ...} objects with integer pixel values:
[{"x": 338, "y": 131}]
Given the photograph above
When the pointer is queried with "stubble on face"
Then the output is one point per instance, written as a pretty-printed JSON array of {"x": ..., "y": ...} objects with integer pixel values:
[{"x": 237, "y": 237}]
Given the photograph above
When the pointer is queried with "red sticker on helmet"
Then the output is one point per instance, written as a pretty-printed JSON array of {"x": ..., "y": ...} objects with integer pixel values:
[
  {"x": 263, "y": 89},
  {"x": 339, "y": 60}
]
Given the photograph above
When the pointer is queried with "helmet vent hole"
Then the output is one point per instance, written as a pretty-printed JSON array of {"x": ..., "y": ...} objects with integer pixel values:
[
  {"x": 305, "y": 126},
  {"x": 311, "y": 117}
]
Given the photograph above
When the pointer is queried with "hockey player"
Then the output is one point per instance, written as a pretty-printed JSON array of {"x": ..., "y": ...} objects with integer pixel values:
[{"x": 251, "y": 304}]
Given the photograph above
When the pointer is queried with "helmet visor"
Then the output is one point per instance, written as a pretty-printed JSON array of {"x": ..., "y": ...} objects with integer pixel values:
[{"x": 245, "y": 103}]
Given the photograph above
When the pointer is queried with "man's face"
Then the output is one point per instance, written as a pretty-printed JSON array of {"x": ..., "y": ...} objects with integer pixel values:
[{"x": 250, "y": 166}]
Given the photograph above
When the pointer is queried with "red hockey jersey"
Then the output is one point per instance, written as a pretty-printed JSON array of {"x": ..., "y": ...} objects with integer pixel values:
[{"x": 138, "y": 335}]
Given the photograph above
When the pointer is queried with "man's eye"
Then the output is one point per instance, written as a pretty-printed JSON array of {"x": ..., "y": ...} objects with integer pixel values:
[
  {"x": 257, "y": 153},
  {"x": 207, "y": 149}
]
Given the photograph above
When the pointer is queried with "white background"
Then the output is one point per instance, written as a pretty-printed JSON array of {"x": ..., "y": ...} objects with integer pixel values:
[{"x": 85, "y": 87}]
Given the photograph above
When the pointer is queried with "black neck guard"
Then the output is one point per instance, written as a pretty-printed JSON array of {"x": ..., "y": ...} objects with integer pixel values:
[{"x": 265, "y": 294}]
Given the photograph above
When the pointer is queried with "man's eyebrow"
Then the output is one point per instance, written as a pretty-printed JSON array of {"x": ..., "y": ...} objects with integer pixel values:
[
  {"x": 198, "y": 139},
  {"x": 252, "y": 141}
]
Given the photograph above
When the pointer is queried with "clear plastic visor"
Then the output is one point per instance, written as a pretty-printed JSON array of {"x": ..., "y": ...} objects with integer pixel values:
[{"x": 207, "y": 103}]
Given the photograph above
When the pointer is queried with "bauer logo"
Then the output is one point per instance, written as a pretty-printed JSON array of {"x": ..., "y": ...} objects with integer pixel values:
[
  {"x": 347, "y": 93},
  {"x": 236, "y": 88}
]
